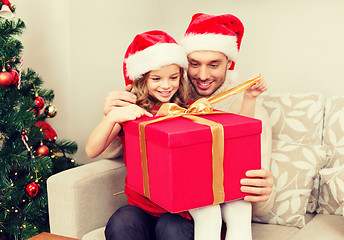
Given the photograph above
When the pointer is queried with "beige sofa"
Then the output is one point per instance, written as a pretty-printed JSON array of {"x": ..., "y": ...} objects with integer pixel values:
[{"x": 307, "y": 165}]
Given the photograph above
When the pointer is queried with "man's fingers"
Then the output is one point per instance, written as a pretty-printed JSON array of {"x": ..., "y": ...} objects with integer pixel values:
[
  {"x": 128, "y": 88},
  {"x": 256, "y": 190},
  {"x": 253, "y": 198},
  {"x": 120, "y": 103},
  {"x": 257, "y": 182},
  {"x": 262, "y": 173},
  {"x": 122, "y": 97}
]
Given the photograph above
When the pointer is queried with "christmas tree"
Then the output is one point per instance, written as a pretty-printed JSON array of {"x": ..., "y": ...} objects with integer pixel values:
[{"x": 30, "y": 151}]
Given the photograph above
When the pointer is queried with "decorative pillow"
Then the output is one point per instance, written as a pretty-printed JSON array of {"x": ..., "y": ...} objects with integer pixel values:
[
  {"x": 294, "y": 168},
  {"x": 331, "y": 198},
  {"x": 296, "y": 117},
  {"x": 334, "y": 130}
]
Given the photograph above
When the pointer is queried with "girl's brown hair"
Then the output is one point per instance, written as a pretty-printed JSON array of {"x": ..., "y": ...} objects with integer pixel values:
[{"x": 146, "y": 101}]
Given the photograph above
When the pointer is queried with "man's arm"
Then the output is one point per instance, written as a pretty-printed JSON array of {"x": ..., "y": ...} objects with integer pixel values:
[
  {"x": 119, "y": 98},
  {"x": 260, "y": 182}
]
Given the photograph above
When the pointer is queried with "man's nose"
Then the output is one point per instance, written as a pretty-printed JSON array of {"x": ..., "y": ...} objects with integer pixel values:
[{"x": 203, "y": 73}]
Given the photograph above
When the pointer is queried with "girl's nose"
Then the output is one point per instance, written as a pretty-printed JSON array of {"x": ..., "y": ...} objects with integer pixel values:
[{"x": 165, "y": 84}]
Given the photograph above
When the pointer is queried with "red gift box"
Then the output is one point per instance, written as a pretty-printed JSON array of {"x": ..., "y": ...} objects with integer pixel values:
[{"x": 179, "y": 159}]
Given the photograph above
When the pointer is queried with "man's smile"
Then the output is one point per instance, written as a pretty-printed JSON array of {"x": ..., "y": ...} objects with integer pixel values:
[{"x": 204, "y": 85}]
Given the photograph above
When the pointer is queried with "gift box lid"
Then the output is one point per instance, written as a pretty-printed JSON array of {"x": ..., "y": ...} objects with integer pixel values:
[{"x": 180, "y": 131}]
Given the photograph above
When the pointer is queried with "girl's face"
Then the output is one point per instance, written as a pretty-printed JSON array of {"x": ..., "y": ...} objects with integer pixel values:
[{"x": 164, "y": 83}]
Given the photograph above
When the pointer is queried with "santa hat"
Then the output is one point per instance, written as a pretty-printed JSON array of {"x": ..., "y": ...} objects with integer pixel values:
[
  {"x": 221, "y": 33},
  {"x": 6, "y": 9},
  {"x": 150, "y": 51}
]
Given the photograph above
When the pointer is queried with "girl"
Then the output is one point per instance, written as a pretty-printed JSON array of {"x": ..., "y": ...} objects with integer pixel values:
[{"x": 154, "y": 64}]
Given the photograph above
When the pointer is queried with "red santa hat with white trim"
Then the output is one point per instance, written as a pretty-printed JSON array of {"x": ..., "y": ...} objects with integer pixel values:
[
  {"x": 150, "y": 51},
  {"x": 221, "y": 33}
]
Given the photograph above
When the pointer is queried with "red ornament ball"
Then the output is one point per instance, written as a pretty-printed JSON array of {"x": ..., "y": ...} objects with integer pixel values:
[
  {"x": 43, "y": 151},
  {"x": 39, "y": 101},
  {"x": 5, "y": 79},
  {"x": 15, "y": 77},
  {"x": 33, "y": 189}
]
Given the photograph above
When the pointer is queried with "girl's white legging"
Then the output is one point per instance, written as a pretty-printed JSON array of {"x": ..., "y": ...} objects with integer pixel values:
[{"x": 236, "y": 214}]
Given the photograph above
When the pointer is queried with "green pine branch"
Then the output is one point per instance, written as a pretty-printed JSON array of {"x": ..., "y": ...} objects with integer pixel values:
[{"x": 24, "y": 213}]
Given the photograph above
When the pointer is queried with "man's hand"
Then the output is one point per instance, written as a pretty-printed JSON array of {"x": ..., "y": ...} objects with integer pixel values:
[
  {"x": 259, "y": 183},
  {"x": 119, "y": 98},
  {"x": 258, "y": 88}
]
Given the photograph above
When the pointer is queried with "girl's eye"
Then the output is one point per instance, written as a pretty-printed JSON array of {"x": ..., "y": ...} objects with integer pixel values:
[
  {"x": 155, "y": 79},
  {"x": 175, "y": 77}
]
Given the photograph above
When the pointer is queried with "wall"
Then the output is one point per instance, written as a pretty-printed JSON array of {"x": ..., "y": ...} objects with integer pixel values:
[{"x": 78, "y": 46}]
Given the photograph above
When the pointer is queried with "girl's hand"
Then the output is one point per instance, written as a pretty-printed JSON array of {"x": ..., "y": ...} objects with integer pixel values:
[
  {"x": 258, "y": 88},
  {"x": 127, "y": 113}
]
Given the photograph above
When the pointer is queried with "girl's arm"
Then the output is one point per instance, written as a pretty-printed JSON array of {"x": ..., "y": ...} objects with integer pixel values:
[
  {"x": 109, "y": 128},
  {"x": 250, "y": 97}
]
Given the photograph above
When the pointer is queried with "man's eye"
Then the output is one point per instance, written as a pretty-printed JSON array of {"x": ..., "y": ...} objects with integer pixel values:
[
  {"x": 214, "y": 65},
  {"x": 194, "y": 64}
]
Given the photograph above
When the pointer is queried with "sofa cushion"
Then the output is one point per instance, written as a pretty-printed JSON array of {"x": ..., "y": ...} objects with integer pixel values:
[
  {"x": 296, "y": 117},
  {"x": 322, "y": 227},
  {"x": 331, "y": 184},
  {"x": 334, "y": 130},
  {"x": 294, "y": 168},
  {"x": 97, "y": 234},
  {"x": 272, "y": 232},
  {"x": 331, "y": 198}
]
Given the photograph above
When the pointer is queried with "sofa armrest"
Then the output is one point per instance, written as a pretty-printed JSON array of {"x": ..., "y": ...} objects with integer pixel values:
[{"x": 82, "y": 199}]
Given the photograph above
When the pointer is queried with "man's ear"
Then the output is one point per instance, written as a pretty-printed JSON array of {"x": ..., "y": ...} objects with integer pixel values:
[{"x": 229, "y": 64}]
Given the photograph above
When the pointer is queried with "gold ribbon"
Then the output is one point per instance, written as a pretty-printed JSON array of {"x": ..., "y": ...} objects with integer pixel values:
[
  {"x": 238, "y": 89},
  {"x": 200, "y": 107}
]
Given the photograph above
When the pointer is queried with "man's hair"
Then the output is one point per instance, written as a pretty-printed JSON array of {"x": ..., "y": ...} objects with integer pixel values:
[{"x": 146, "y": 101}]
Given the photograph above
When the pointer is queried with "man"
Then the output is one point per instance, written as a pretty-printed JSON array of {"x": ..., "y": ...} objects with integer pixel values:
[{"x": 212, "y": 44}]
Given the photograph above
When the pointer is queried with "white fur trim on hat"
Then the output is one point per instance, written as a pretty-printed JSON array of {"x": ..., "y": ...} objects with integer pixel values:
[
  {"x": 155, "y": 57},
  {"x": 211, "y": 42}
]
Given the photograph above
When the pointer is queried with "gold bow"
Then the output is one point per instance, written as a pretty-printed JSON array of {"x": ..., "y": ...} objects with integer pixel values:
[{"x": 201, "y": 106}]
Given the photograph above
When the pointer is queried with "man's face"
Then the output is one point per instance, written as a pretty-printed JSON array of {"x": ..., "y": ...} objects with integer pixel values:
[{"x": 207, "y": 71}]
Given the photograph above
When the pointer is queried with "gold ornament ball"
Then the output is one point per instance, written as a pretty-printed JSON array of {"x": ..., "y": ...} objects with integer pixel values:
[{"x": 50, "y": 111}]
